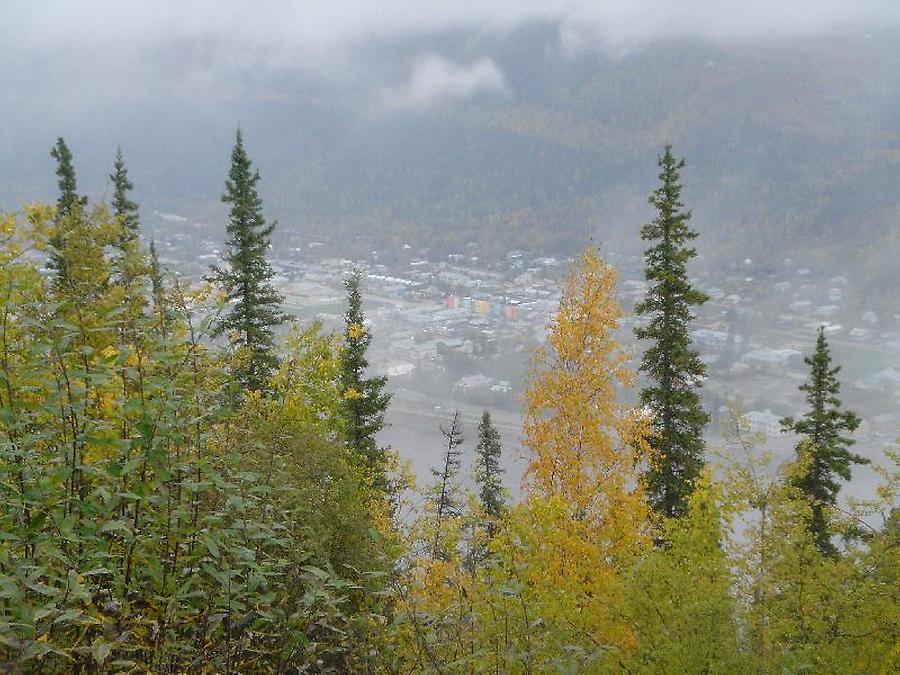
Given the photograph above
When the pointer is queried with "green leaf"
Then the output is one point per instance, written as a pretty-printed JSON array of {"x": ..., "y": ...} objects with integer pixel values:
[
  {"x": 77, "y": 617},
  {"x": 117, "y": 526},
  {"x": 43, "y": 589},
  {"x": 100, "y": 651},
  {"x": 212, "y": 547},
  {"x": 315, "y": 572},
  {"x": 43, "y": 612}
]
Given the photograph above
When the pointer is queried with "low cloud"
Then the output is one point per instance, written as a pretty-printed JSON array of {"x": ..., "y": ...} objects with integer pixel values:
[
  {"x": 435, "y": 80},
  {"x": 620, "y": 26},
  {"x": 209, "y": 53},
  {"x": 292, "y": 30}
]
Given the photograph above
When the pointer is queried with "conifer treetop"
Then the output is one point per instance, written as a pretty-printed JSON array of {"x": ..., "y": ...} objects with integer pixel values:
[
  {"x": 364, "y": 399},
  {"x": 488, "y": 471},
  {"x": 123, "y": 207},
  {"x": 246, "y": 276},
  {"x": 825, "y": 447},
  {"x": 674, "y": 369},
  {"x": 68, "y": 186}
]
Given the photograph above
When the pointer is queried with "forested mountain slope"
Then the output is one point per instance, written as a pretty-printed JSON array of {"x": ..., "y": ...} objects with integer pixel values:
[{"x": 791, "y": 143}]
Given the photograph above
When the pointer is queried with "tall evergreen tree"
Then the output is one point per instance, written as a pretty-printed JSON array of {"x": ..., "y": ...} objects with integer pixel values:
[
  {"x": 160, "y": 302},
  {"x": 68, "y": 187},
  {"x": 487, "y": 466},
  {"x": 124, "y": 209},
  {"x": 824, "y": 446},
  {"x": 68, "y": 206},
  {"x": 247, "y": 276},
  {"x": 364, "y": 399},
  {"x": 673, "y": 368},
  {"x": 130, "y": 261},
  {"x": 446, "y": 498}
]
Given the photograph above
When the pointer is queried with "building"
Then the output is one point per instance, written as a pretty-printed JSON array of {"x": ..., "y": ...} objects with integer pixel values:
[
  {"x": 763, "y": 422},
  {"x": 887, "y": 379},
  {"x": 710, "y": 340},
  {"x": 772, "y": 358}
]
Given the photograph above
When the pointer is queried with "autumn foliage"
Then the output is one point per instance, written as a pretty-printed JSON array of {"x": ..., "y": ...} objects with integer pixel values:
[{"x": 156, "y": 515}]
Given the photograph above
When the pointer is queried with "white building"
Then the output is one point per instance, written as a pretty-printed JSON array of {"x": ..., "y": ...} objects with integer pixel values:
[
  {"x": 772, "y": 358},
  {"x": 763, "y": 422}
]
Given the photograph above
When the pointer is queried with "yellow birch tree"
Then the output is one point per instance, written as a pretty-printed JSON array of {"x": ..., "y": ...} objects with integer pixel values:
[{"x": 585, "y": 517}]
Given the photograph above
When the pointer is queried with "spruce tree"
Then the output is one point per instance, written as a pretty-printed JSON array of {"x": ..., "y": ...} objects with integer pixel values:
[
  {"x": 124, "y": 209},
  {"x": 130, "y": 261},
  {"x": 446, "y": 498},
  {"x": 487, "y": 467},
  {"x": 161, "y": 313},
  {"x": 68, "y": 187},
  {"x": 364, "y": 399},
  {"x": 246, "y": 277},
  {"x": 824, "y": 448},
  {"x": 68, "y": 206},
  {"x": 673, "y": 368}
]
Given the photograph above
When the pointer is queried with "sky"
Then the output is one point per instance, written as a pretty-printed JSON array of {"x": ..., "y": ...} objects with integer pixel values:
[
  {"x": 101, "y": 50},
  {"x": 171, "y": 79}
]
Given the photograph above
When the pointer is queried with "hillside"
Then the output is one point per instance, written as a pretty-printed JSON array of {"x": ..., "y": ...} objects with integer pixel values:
[{"x": 787, "y": 144}]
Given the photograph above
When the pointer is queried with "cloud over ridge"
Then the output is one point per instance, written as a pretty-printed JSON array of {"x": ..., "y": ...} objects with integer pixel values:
[
  {"x": 435, "y": 79},
  {"x": 132, "y": 53},
  {"x": 313, "y": 27}
]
